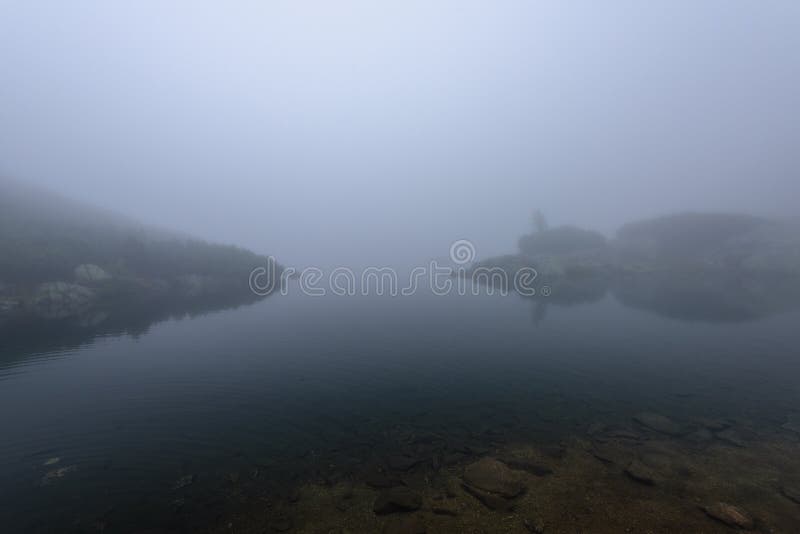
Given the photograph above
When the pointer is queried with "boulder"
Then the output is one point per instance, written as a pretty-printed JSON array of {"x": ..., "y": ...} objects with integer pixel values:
[
  {"x": 59, "y": 300},
  {"x": 397, "y": 499},
  {"x": 182, "y": 482},
  {"x": 89, "y": 273},
  {"x": 402, "y": 462},
  {"x": 448, "y": 508},
  {"x": 792, "y": 423},
  {"x": 730, "y": 515},
  {"x": 612, "y": 452},
  {"x": 659, "y": 423},
  {"x": 791, "y": 492},
  {"x": 406, "y": 525},
  {"x": 527, "y": 464},
  {"x": 731, "y": 437},
  {"x": 641, "y": 473},
  {"x": 493, "y": 501},
  {"x": 55, "y": 474},
  {"x": 488, "y": 474},
  {"x": 374, "y": 477}
]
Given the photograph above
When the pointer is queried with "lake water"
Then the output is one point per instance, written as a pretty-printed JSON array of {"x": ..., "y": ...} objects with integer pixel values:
[{"x": 286, "y": 415}]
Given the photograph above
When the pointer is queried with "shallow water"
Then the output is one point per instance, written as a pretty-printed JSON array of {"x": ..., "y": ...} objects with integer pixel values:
[{"x": 253, "y": 418}]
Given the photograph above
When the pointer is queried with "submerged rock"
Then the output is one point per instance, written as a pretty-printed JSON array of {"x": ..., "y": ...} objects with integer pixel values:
[
  {"x": 641, "y": 473},
  {"x": 55, "y": 474},
  {"x": 492, "y": 483},
  {"x": 282, "y": 524},
  {"x": 595, "y": 428},
  {"x": 375, "y": 478},
  {"x": 445, "y": 508},
  {"x": 659, "y": 423},
  {"x": 527, "y": 464},
  {"x": 791, "y": 492},
  {"x": 493, "y": 501},
  {"x": 713, "y": 424},
  {"x": 611, "y": 453},
  {"x": 402, "y": 462},
  {"x": 397, "y": 499},
  {"x": 452, "y": 487},
  {"x": 183, "y": 482},
  {"x": 556, "y": 451},
  {"x": 533, "y": 525},
  {"x": 453, "y": 458},
  {"x": 731, "y": 437},
  {"x": 493, "y": 476},
  {"x": 406, "y": 525},
  {"x": 792, "y": 424},
  {"x": 622, "y": 433},
  {"x": 730, "y": 515},
  {"x": 700, "y": 438}
]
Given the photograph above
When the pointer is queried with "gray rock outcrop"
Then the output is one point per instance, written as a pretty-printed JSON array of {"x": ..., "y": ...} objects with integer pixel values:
[
  {"x": 59, "y": 300},
  {"x": 88, "y": 273}
]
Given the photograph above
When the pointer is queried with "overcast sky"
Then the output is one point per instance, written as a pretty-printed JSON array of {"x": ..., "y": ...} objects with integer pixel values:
[{"x": 333, "y": 132}]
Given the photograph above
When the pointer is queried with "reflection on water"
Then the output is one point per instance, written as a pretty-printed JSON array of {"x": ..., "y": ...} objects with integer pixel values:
[
  {"x": 362, "y": 414},
  {"x": 698, "y": 297},
  {"x": 26, "y": 335},
  {"x": 709, "y": 297}
]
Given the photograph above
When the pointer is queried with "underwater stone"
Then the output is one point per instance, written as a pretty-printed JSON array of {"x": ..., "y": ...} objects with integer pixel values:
[
  {"x": 406, "y": 525},
  {"x": 493, "y": 476},
  {"x": 533, "y": 525},
  {"x": 55, "y": 474},
  {"x": 183, "y": 482},
  {"x": 492, "y": 501},
  {"x": 731, "y": 437},
  {"x": 402, "y": 462},
  {"x": 730, "y": 515},
  {"x": 527, "y": 464},
  {"x": 713, "y": 424},
  {"x": 641, "y": 473},
  {"x": 397, "y": 499},
  {"x": 791, "y": 492},
  {"x": 445, "y": 508},
  {"x": 282, "y": 524},
  {"x": 611, "y": 453},
  {"x": 659, "y": 423}
]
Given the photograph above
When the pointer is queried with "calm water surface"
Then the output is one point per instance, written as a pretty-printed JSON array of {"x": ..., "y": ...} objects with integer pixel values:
[{"x": 153, "y": 430}]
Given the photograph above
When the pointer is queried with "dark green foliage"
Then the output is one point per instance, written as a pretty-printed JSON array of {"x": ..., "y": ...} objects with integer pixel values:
[
  {"x": 686, "y": 234},
  {"x": 561, "y": 240},
  {"x": 43, "y": 238}
]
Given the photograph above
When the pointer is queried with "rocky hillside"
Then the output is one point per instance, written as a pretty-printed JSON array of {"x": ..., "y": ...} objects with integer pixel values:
[
  {"x": 689, "y": 242},
  {"x": 711, "y": 241},
  {"x": 60, "y": 258}
]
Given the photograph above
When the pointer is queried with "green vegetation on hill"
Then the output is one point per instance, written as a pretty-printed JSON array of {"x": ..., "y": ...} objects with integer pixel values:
[
  {"x": 686, "y": 234},
  {"x": 54, "y": 249},
  {"x": 561, "y": 240},
  {"x": 709, "y": 243}
]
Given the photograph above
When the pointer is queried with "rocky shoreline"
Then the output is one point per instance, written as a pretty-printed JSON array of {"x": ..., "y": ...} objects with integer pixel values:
[
  {"x": 93, "y": 293},
  {"x": 650, "y": 473}
]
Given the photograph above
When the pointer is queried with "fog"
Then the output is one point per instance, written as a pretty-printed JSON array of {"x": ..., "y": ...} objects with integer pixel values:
[{"x": 363, "y": 132}]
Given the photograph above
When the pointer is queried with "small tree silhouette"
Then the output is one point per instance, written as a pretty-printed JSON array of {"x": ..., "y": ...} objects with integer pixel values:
[{"x": 539, "y": 221}]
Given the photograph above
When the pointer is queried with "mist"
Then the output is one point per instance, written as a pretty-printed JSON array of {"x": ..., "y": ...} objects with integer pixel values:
[
  {"x": 399, "y": 267},
  {"x": 336, "y": 133}
]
